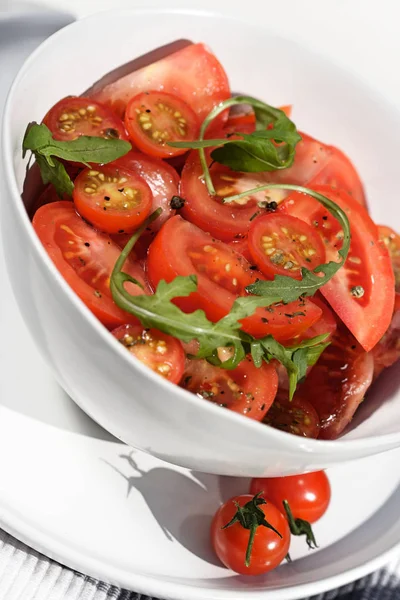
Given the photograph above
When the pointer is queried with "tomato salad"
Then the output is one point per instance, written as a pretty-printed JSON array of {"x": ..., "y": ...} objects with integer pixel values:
[{"x": 229, "y": 252}]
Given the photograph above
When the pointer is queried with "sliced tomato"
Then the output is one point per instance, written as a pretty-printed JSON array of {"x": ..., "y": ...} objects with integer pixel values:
[
  {"x": 226, "y": 221},
  {"x": 246, "y": 390},
  {"x": 244, "y": 121},
  {"x": 392, "y": 242},
  {"x": 327, "y": 323},
  {"x": 193, "y": 73},
  {"x": 362, "y": 292},
  {"x": 241, "y": 245},
  {"x": 153, "y": 119},
  {"x": 298, "y": 416},
  {"x": 160, "y": 352},
  {"x": 75, "y": 116},
  {"x": 111, "y": 198},
  {"x": 281, "y": 244},
  {"x": 340, "y": 173},
  {"x": 337, "y": 383},
  {"x": 85, "y": 258},
  {"x": 181, "y": 248},
  {"x": 387, "y": 350}
]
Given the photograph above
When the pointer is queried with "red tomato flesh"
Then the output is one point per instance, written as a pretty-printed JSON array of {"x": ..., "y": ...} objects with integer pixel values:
[
  {"x": 392, "y": 242},
  {"x": 387, "y": 350},
  {"x": 281, "y": 244},
  {"x": 113, "y": 199},
  {"x": 75, "y": 116},
  {"x": 295, "y": 416},
  {"x": 181, "y": 248},
  {"x": 247, "y": 390},
  {"x": 362, "y": 292},
  {"x": 85, "y": 258},
  {"x": 160, "y": 352}
]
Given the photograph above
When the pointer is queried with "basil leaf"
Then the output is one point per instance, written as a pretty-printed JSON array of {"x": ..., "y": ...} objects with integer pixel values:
[{"x": 57, "y": 175}]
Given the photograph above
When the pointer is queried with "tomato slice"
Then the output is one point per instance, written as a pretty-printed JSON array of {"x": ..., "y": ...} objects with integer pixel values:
[
  {"x": 387, "y": 350},
  {"x": 281, "y": 244},
  {"x": 241, "y": 245},
  {"x": 181, "y": 248},
  {"x": 337, "y": 383},
  {"x": 392, "y": 242},
  {"x": 340, "y": 173},
  {"x": 154, "y": 118},
  {"x": 160, "y": 352},
  {"x": 75, "y": 116},
  {"x": 247, "y": 390},
  {"x": 362, "y": 292},
  {"x": 193, "y": 73},
  {"x": 85, "y": 258},
  {"x": 298, "y": 416},
  {"x": 111, "y": 198},
  {"x": 327, "y": 323},
  {"x": 244, "y": 121},
  {"x": 227, "y": 221}
]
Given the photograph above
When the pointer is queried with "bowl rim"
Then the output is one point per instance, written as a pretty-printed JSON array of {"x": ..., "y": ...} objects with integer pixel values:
[{"x": 306, "y": 445}]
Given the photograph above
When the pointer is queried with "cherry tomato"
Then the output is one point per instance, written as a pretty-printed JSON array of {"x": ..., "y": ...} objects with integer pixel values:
[
  {"x": 230, "y": 543},
  {"x": 387, "y": 350},
  {"x": 181, "y": 248},
  {"x": 160, "y": 352},
  {"x": 297, "y": 416},
  {"x": 362, "y": 291},
  {"x": 244, "y": 122},
  {"x": 226, "y": 221},
  {"x": 154, "y": 118},
  {"x": 327, "y": 322},
  {"x": 337, "y": 384},
  {"x": 85, "y": 258},
  {"x": 75, "y": 116},
  {"x": 247, "y": 390},
  {"x": 111, "y": 198},
  {"x": 281, "y": 244},
  {"x": 241, "y": 245},
  {"x": 308, "y": 495},
  {"x": 192, "y": 73},
  {"x": 392, "y": 242}
]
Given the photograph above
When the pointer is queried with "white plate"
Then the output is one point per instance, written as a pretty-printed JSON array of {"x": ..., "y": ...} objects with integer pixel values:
[{"x": 70, "y": 490}]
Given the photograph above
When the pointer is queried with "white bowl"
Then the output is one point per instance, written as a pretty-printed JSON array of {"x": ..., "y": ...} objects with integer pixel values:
[{"x": 129, "y": 400}]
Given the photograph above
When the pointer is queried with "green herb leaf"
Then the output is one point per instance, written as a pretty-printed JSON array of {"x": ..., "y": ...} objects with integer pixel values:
[{"x": 85, "y": 149}]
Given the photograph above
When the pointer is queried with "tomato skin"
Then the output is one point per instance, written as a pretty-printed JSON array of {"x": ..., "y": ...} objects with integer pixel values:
[
  {"x": 277, "y": 241},
  {"x": 368, "y": 264},
  {"x": 203, "y": 85},
  {"x": 174, "y": 252},
  {"x": 247, "y": 390},
  {"x": 108, "y": 207},
  {"x": 230, "y": 544},
  {"x": 162, "y": 353},
  {"x": 151, "y": 114},
  {"x": 98, "y": 121},
  {"x": 297, "y": 416},
  {"x": 87, "y": 268},
  {"x": 308, "y": 495}
]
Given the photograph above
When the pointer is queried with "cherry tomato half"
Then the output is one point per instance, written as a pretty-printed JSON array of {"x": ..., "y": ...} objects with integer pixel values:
[
  {"x": 155, "y": 118},
  {"x": 247, "y": 390},
  {"x": 230, "y": 543},
  {"x": 113, "y": 199},
  {"x": 160, "y": 352},
  {"x": 282, "y": 244},
  {"x": 75, "y": 116},
  {"x": 86, "y": 258},
  {"x": 308, "y": 495},
  {"x": 297, "y": 416}
]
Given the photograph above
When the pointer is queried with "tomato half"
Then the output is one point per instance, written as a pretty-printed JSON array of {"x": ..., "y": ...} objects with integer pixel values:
[
  {"x": 181, "y": 248},
  {"x": 308, "y": 495},
  {"x": 241, "y": 245},
  {"x": 327, "y": 323},
  {"x": 362, "y": 292},
  {"x": 387, "y": 350},
  {"x": 113, "y": 199},
  {"x": 85, "y": 258},
  {"x": 162, "y": 353},
  {"x": 230, "y": 543},
  {"x": 247, "y": 390},
  {"x": 297, "y": 416},
  {"x": 338, "y": 382},
  {"x": 281, "y": 244},
  {"x": 392, "y": 242},
  {"x": 245, "y": 121},
  {"x": 75, "y": 116},
  {"x": 193, "y": 73},
  {"x": 227, "y": 221},
  {"x": 154, "y": 118}
]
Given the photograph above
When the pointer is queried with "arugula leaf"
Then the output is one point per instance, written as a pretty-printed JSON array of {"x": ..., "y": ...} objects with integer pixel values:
[
  {"x": 255, "y": 152},
  {"x": 84, "y": 149}
]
